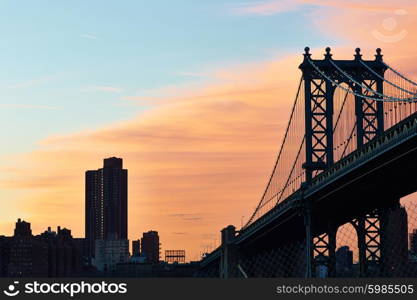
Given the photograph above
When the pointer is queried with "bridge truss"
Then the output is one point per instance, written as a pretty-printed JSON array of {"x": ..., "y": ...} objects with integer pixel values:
[{"x": 340, "y": 107}]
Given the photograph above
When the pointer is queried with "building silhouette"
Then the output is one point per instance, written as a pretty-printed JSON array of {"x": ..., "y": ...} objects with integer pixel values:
[
  {"x": 28, "y": 256},
  {"x": 136, "y": 248},
  {"x": 344, "y": 261},
  {"x": 109, "y": 253},
  {"x": 22, "y": 229},
  {"x": 65, "y": 254},
  {"x": 105, "y": 204},
  {"x": 50, "y": 254},
  {"x": 150, "y": 246}
]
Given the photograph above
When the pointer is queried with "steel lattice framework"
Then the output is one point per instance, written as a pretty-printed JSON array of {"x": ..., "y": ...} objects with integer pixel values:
[{"x": 341, "y": 107}]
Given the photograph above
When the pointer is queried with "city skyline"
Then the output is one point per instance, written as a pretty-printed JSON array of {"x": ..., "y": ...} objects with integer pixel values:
[
  {"x": 200, "y": 136},
  {"x": 57, "y": 253}
]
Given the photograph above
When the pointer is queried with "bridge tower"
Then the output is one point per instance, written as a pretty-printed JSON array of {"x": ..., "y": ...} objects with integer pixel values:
[{"x": 320, "y": 79}]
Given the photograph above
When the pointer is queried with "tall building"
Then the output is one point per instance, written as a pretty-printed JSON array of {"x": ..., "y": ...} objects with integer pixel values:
[
  {"x": 105, "y": 204},
  {"x": 150, "y": 246},
  {"x": 136, "y": 248}
]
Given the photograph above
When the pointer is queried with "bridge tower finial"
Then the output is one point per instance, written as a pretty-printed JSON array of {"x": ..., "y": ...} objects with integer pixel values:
[
  {"x": 378, "y": 56},
  {"x": 328, "y": 55},
  {"x": 358, "y": 55},
  {"x": 307, "y": 53}
]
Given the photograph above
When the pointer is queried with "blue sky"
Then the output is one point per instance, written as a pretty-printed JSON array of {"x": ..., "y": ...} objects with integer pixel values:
[{"x": 66, "y": 66}]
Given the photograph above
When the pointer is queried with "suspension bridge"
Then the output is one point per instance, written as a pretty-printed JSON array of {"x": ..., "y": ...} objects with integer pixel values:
[{"x": 348, "y": 155}]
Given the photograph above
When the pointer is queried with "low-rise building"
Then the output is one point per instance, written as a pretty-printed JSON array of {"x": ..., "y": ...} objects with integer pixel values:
[{"x": 108, "y": 253}]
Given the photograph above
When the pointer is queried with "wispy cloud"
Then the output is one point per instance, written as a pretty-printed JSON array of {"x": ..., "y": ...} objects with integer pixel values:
[
  {"x": 30, "y": 82},
  {"x": 101, "y": 88},
  {"x": 187, "y": 217},
  {"x": 193, "y": 74},
  {"x": 28, "y": 106},
  {"x": 89, "y": 36}
]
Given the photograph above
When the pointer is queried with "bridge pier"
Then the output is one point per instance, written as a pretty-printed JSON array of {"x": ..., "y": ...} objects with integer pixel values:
[
  {"x": 320, "y": 249},
  {"x": 382, "y": 241},
  {"x": 368, "y": 230},
  {"x": 229, "y": 253},
  {"x": 324, "y": 253}
]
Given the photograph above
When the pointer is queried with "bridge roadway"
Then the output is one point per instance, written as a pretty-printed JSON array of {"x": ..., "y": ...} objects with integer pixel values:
[{"x": 375, "y": 176}]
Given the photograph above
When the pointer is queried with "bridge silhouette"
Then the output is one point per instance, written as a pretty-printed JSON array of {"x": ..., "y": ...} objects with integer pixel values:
[{"x": 348, "y": 155}]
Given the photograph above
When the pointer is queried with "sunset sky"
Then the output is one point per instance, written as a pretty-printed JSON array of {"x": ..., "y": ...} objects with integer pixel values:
[{"x": 193, "y": 95}]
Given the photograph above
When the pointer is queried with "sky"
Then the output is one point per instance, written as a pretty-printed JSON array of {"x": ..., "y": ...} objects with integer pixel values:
[{"x": 193, "y": 95}]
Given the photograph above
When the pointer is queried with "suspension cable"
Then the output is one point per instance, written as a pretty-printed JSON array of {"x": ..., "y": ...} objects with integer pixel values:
[
  {"x": 348, "y": 140},
  {"x": 369, "y": 89},
  {"x": 279, "y": 154},
  {"x": 292, "y": 169},
  {"x": 340, "y": 112},
  {"x": 399, "y": 74},
  {"x": 387, "y": 81},
  {"x": 352, "y": 92},
  {"x": 337, "y": 84}
]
